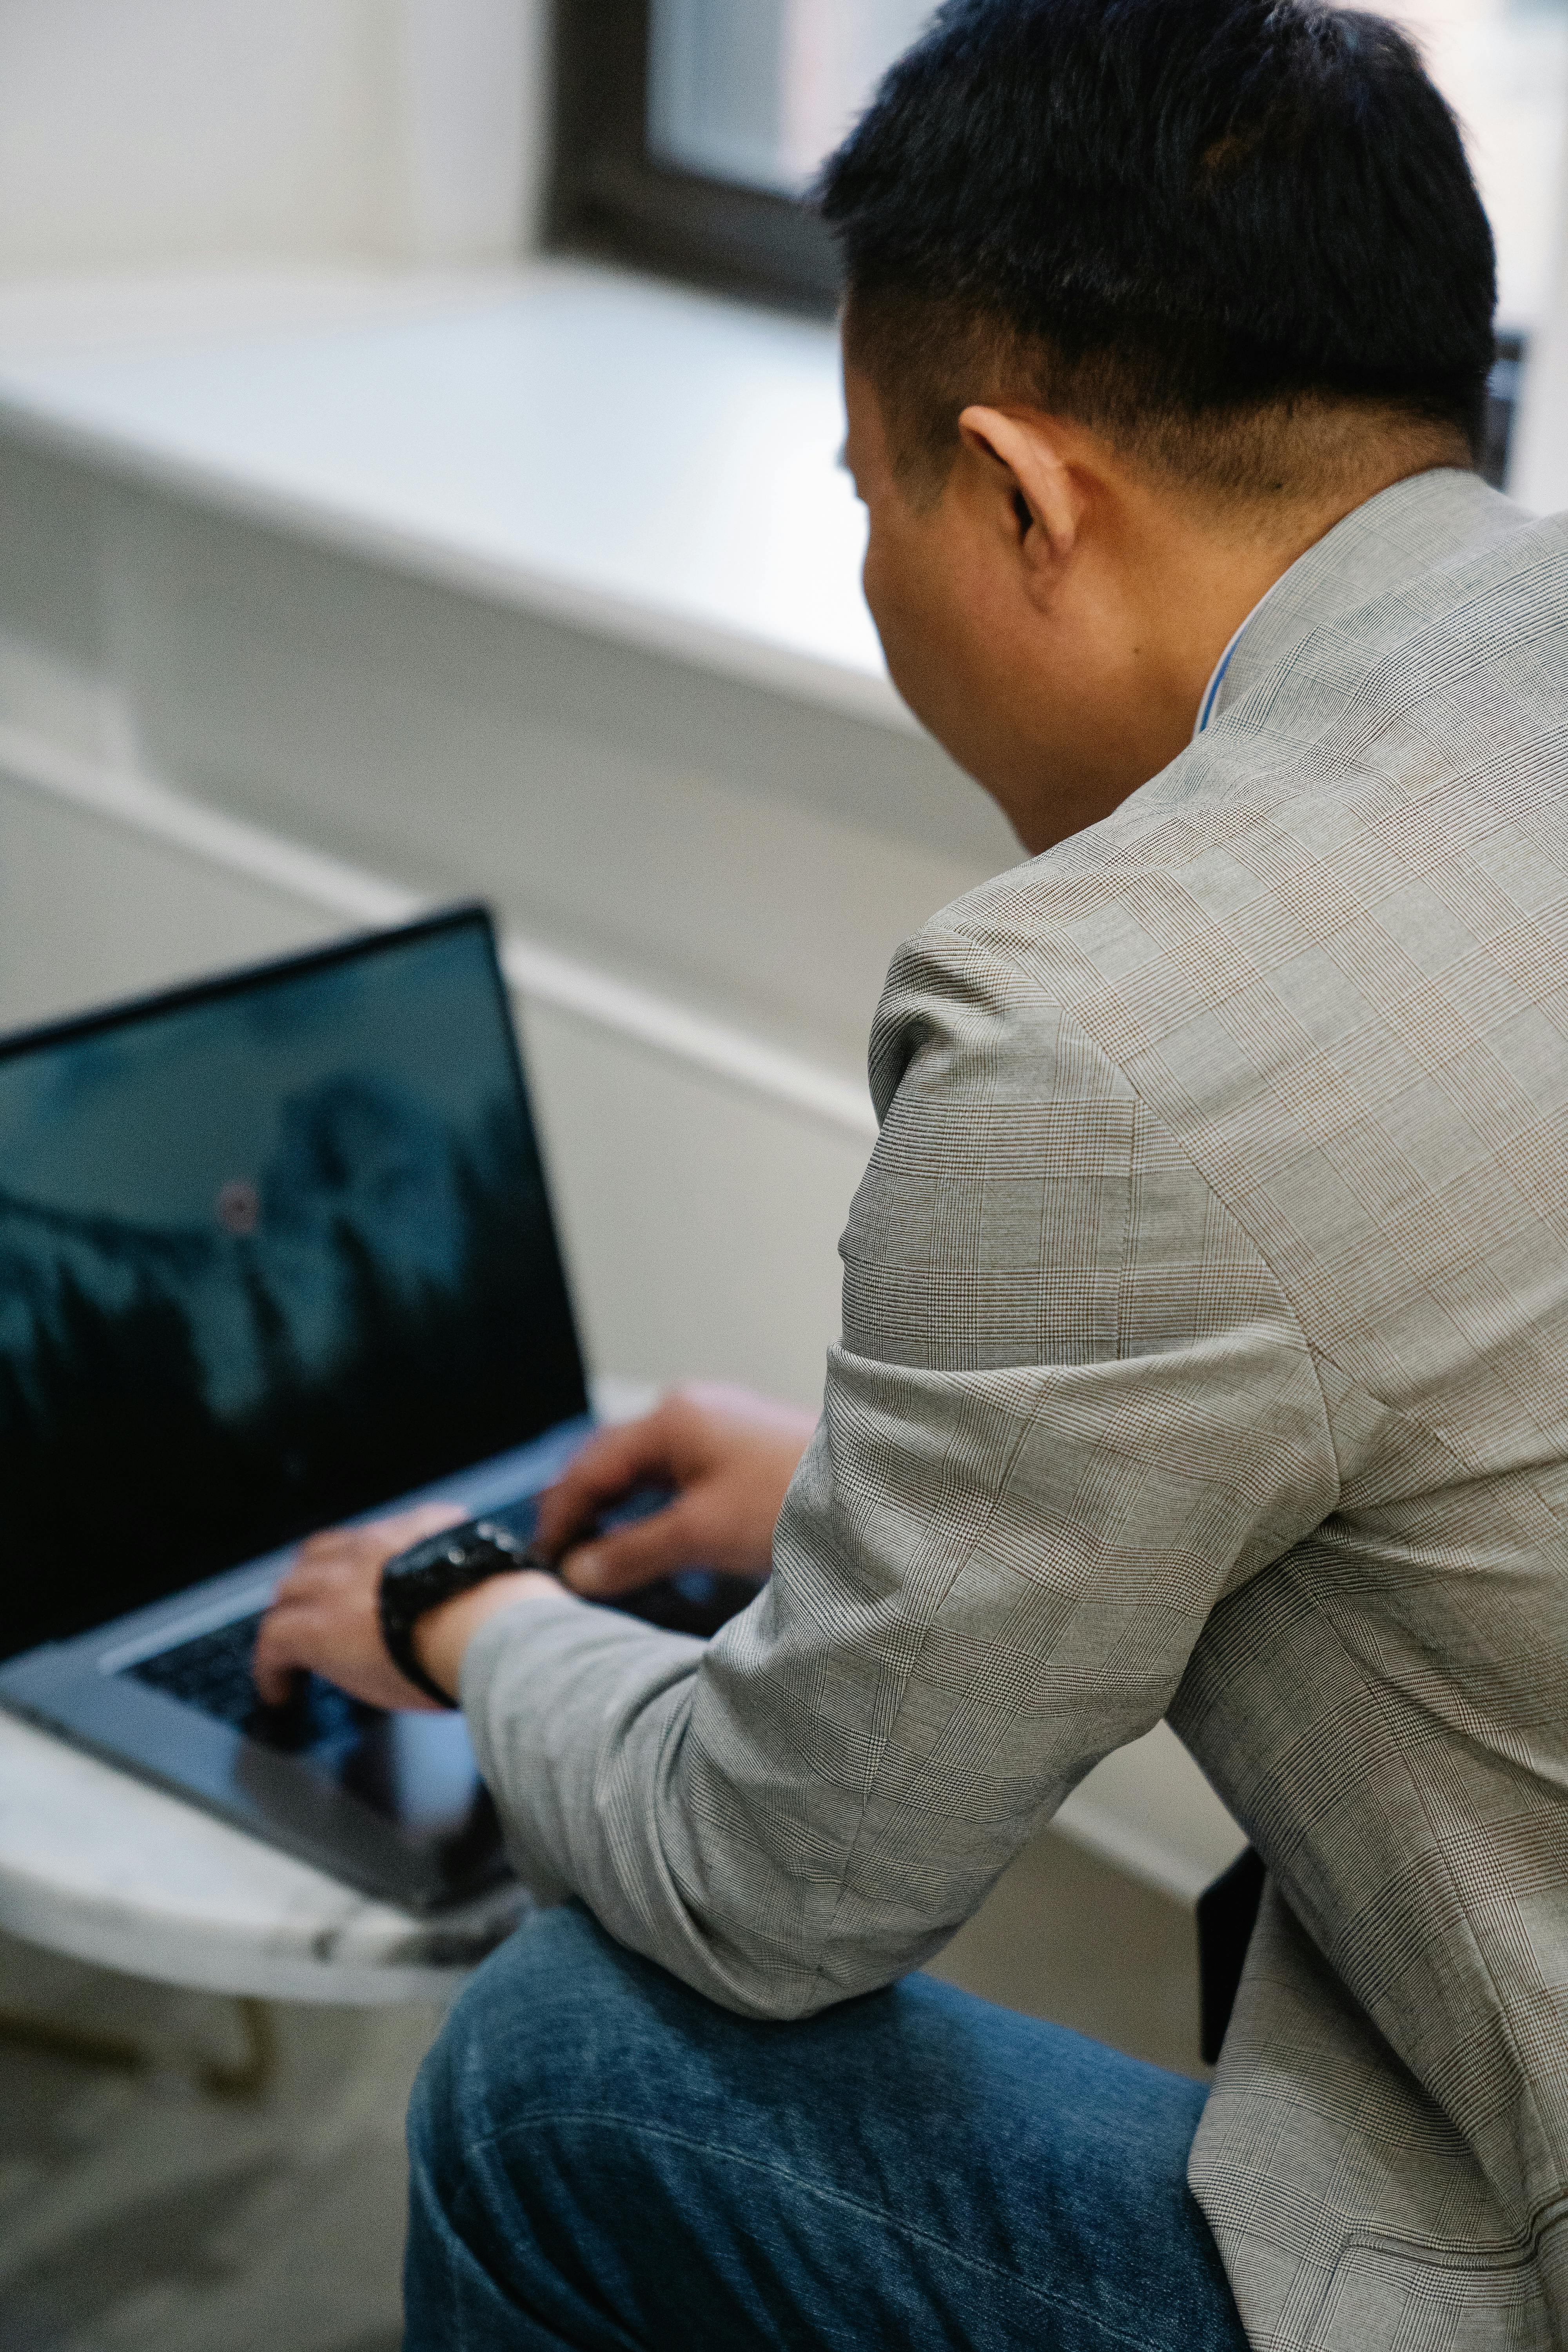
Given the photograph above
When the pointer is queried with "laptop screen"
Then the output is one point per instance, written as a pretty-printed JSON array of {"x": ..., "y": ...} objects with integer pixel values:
[{"x": 272, "y": 1251}]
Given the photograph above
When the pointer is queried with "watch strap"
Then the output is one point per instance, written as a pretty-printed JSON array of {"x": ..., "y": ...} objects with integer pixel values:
[{"x": 437, "y": 1569}]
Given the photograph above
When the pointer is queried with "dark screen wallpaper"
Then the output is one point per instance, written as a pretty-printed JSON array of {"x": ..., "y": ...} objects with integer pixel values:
[{"x": 265, "y": 1261}]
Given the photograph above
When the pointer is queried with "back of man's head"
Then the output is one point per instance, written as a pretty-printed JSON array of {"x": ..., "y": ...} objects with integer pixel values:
[{"x": 1230, "y": 235}]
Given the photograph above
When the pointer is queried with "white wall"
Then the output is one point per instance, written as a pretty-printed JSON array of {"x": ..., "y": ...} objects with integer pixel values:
[
  {"x": 1538, "y": 475},
  {"x": 141, "y": 135}
]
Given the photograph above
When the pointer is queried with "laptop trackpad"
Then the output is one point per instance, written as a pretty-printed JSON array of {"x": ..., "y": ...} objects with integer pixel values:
[{"x": 415, "y": 1770}]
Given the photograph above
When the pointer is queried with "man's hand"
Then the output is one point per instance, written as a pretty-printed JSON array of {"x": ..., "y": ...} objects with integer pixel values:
[
  {"x": 730, "y": 1455},
  {"x": 324, "y": 1618}
]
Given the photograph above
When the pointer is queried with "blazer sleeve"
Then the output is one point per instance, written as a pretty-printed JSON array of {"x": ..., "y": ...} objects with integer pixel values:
[{"x": 1070, "y": 1411}]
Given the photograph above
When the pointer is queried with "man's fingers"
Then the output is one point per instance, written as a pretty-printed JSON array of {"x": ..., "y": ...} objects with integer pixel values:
[
  {"x": 611, "y": 1462},
  {"x": 273, "y": 1664},
  {"x": 628, "y": 1558}
]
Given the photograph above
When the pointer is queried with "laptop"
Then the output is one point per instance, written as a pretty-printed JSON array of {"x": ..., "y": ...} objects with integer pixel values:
[{"x": 275, "y": 1254}]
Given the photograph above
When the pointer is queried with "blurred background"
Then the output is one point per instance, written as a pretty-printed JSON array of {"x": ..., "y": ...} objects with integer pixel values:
[
  {"x": 173, "y": 132},
  {"x": 417, "y": 437},
  {"x": 758, "y": 95}
]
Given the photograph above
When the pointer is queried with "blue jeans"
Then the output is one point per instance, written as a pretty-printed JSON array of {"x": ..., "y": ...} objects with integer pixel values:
[{"x": 602, "y": 2158}]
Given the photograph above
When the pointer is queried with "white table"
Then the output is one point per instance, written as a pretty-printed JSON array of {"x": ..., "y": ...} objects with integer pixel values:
[{"x": 103, "y": 1867}]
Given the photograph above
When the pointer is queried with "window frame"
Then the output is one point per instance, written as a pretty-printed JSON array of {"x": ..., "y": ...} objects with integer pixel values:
[{"x": 611, "y": 198}]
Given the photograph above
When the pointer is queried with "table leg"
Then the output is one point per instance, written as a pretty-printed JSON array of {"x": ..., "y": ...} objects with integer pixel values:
[{"x": 250, "y": 2076}]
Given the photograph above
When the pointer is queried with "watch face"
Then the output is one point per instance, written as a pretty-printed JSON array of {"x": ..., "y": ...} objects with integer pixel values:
[
  {"x": 443, "y": 1563},
  {"x": 451, "y": 1548},
  {"x": 493, "y": 1550},
  {"x": 437, "y": 1570}
]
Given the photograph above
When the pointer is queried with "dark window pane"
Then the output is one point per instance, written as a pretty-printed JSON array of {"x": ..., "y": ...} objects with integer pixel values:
[{"x": 759, "y": 94}]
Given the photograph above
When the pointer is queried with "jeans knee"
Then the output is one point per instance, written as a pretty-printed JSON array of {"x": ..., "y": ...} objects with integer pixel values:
[
  {"x": 502, "y": 2054},
  {"x": 518, "y": 2035}
]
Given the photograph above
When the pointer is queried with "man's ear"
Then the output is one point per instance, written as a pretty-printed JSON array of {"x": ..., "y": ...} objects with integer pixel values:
[{"x": 1024, "y": 452}]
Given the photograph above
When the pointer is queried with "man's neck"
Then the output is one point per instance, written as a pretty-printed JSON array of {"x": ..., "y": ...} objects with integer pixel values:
[{"x": 1180, "y": 584}]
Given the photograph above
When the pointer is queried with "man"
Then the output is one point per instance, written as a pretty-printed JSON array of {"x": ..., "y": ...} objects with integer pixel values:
[{"x": 1203, "y": 1322}]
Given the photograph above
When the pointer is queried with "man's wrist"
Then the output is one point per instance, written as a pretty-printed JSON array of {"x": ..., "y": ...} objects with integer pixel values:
[{"x": 440, "y": 1639}]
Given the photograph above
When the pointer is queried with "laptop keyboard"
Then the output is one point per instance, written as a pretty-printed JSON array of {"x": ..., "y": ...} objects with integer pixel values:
[{"x": 213, "y": 1674}]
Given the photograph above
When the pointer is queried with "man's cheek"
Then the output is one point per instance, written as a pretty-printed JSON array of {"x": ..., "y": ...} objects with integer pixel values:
[
  {"x": 919, "y": 660},
  {"x": 897, "y": 624},
  {"x": 910, "y": 675}
]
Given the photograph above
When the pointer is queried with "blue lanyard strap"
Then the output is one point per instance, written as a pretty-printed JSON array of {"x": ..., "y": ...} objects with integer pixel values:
[{"x": 1211, "y": 692}]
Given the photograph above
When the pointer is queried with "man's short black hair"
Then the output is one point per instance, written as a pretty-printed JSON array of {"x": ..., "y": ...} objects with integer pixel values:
[{"x": 1171, "y": 219}]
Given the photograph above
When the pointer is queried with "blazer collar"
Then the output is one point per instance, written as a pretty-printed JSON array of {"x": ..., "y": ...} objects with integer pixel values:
[{"x": 1424, "y": 524}]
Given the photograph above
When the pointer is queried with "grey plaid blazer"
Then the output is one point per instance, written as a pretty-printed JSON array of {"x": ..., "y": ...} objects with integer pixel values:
[{"x": 1205, "y": 1355}]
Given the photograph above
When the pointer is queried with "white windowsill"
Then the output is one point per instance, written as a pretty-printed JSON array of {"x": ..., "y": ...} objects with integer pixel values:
[{"x": 652, "y": 465}]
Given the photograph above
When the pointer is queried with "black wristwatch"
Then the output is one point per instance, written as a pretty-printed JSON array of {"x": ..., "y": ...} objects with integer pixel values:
[{"x": 437, "y": 1570}]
